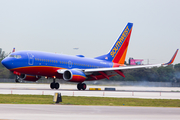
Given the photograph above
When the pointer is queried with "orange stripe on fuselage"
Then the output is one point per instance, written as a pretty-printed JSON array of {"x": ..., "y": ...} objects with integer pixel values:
[{"x": 38, "y": 70}]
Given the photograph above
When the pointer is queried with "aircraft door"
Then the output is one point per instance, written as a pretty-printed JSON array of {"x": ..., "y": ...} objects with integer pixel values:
[
  {"x": 69, "y": 64},
  {"x": 30, "y": 59}
]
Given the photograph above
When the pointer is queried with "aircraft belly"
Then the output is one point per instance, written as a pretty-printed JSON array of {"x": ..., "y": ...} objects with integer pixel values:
[{"x": 39, "y": 70}]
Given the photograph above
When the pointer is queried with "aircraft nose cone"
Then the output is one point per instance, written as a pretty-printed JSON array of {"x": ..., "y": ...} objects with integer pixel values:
[{"x": 5, "y": 62}]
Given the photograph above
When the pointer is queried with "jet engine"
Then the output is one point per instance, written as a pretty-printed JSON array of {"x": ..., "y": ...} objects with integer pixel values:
[
  {"x": 74, "y": 76},
  {"x": 29, "y": 77}
]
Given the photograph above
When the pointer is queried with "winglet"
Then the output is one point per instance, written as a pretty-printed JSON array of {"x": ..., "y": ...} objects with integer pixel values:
[
  {"x": 13, "y": 50},
  {"x": 172, "y": 59}
]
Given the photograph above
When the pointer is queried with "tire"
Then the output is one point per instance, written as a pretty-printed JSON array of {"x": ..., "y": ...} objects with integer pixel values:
[
  {"x": 56, "y": 85},
  {"x": 83, "y": 86},
  {"x": 52, "y": 85},
  {"x": 17, "y": 79},
  {"x": 79, "y": 86}
]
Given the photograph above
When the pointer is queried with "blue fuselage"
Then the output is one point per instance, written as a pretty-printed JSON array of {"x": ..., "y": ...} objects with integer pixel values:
[{"x": 47, "y": 64}]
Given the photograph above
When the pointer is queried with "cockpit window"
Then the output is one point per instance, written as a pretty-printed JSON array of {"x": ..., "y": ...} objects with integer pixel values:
[{"x": 15, "y": 56}]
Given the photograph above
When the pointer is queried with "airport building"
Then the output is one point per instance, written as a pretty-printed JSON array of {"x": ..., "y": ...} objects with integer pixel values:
[{"x": 133, "y": 61}]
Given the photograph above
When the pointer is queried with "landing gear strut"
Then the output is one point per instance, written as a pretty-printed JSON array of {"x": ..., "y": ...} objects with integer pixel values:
[
  {"x": 18, "y": 79},
  {"x": 54, "y": 85},
  {"x": 81, "y": 86}
]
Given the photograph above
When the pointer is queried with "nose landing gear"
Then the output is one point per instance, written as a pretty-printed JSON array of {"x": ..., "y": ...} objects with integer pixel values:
[{"x": 18, "y": 79}]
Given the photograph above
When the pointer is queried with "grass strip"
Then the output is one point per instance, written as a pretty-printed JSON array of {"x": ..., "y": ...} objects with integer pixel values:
[{"x": 73, "y": 100}]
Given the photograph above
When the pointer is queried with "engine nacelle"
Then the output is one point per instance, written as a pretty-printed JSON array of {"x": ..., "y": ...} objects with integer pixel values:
[
  {"x": 27, "y": 77},
  {"x": 74, "y": 76}
]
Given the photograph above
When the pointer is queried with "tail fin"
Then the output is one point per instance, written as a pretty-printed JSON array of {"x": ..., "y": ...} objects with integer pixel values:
[{"x": 118, "y": 52}]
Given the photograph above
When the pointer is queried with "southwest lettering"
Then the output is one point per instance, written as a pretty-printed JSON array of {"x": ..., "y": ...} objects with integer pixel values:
[
  {"x": 119, "y": 42},
  {"x": 112, "y": 54}
]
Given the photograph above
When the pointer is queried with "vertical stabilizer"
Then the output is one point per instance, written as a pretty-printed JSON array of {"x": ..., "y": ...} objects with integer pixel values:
[{"x": 118, "y": 52}]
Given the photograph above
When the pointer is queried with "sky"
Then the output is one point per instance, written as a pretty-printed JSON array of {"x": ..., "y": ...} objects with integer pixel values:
[{"x": 93, "y": 26}]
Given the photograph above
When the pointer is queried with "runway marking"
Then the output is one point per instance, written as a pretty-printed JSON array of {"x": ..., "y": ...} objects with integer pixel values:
[
  {"x": 33, "y": 88},
  {"x": 121, "y": 92},
  {"x": 94, "y": 88}
]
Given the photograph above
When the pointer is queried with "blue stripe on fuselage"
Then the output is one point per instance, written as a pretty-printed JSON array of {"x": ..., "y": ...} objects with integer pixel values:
[{"x": 36, "y": 58}]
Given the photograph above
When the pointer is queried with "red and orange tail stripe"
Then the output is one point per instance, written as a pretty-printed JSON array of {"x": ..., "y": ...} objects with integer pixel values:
[
  {"x": 118, "y": 52},
  {"x": 121, "y": 54}
]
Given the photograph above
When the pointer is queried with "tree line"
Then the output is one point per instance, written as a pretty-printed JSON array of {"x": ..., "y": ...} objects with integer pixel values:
[{"x": 169, "y": 73}]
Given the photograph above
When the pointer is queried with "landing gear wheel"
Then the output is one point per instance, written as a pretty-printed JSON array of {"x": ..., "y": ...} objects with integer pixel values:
[
  {"x": 57, "y": 85},
  {"x": 83, "y": 86},
  {"x": 79, "y": 86},
  {"x": 52, "y": 85},
  {"x": 18, "y": 79}
]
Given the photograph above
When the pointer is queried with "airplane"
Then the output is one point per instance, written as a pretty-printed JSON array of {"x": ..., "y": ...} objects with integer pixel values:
[{"x": 31, "y": 65}]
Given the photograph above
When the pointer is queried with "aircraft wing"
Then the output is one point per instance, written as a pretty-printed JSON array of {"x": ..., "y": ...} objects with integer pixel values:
[
  {"x": 122, "y": 68},
  {"x": 108, "y": 72},
  {"x": 132, "y": 67}
]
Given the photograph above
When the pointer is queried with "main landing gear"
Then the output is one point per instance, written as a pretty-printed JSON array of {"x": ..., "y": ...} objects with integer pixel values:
[
  {"x": 54, "y": 85},
  {"x": 81, "y": 86}
]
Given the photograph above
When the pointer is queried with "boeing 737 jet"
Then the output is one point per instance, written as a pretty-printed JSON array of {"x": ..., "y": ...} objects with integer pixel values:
[{"x": 31, "y": 65}]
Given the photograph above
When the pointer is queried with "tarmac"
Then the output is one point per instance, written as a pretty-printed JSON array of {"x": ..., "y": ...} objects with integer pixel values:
[{"x": 69, "y": 112}]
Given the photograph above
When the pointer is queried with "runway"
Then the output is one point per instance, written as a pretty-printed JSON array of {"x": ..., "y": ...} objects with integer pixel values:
[
  {"x": 69, "y": 112},
  {"x": 71, "y": 90}
]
